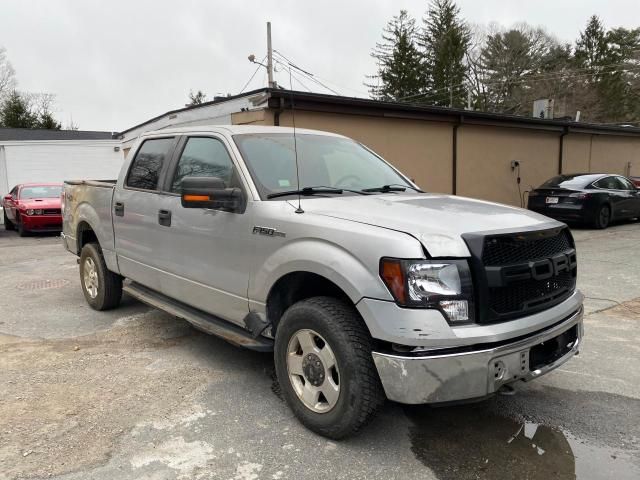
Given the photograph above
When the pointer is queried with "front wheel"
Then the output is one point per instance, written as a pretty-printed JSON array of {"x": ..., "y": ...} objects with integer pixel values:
[
  {"x": 23, "y": 232},
  {"x": 324, "y": 367},
  {"x": 101, "y": 287}
]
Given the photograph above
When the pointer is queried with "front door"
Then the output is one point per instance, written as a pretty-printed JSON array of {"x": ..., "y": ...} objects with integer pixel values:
[
  {"x": 135, "y": 212},
  {"x": 205, "y": 253}
]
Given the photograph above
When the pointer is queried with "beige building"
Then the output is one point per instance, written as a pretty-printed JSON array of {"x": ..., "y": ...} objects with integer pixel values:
[{"x": 444, "y": 150}]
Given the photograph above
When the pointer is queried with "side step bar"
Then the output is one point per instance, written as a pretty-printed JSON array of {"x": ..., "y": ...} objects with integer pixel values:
[{"x": 201, "y": 320}]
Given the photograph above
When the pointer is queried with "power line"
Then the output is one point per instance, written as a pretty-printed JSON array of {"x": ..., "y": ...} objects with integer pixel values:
[
  {"x": 307, "y": 74},
  {"x": 342, "y": 87},
  {"x": 253, "y": 75}
]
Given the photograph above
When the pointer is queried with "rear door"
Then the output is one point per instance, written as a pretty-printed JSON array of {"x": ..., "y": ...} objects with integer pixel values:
[
  {"x": 136, "y": 202},
  {"x": 616, "y": 197},
  {"x": 206, "y": 253}
]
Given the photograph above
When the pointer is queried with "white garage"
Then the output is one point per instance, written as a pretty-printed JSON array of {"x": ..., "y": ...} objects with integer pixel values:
[{"x": 56, "y": 155}]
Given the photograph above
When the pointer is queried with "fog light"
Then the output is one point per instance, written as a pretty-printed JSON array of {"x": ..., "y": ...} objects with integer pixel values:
[{"x": 456, "y": 310}]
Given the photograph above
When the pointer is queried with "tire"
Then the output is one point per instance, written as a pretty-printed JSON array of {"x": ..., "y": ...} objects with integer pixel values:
[
  {"x": 8, "y": 224},
  {"x": 331, "y": 323},
  {"x": 20, "y": 227},
  {"x": 101, "y": 287},
  {"x": 603, "y": 217}
]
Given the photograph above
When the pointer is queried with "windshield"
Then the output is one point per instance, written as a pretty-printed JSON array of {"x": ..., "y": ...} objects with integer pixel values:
[
  {"x": 42, "y": 191},
  {"x": 323, "y": 160}
]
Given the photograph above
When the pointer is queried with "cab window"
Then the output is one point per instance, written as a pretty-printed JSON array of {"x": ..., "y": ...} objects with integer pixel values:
[
  {"x": 203, "y": 157},
  {"x": 145, "y": 169}
]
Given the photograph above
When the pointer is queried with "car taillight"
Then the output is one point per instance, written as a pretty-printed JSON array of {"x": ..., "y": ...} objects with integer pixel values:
[{"x": 580, "y": 196}]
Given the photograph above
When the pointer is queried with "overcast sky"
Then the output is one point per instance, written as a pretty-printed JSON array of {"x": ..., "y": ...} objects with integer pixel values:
[{"x": 113, "y": 64}]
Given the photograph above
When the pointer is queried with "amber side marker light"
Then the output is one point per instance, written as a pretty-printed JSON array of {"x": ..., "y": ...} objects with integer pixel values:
[
  {"x": 196, "y": 198},
  {"x": 393, "y": 275}
]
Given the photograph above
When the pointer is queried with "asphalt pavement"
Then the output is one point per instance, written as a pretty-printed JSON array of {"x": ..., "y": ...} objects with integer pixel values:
[{"x": 137, "y": 394}]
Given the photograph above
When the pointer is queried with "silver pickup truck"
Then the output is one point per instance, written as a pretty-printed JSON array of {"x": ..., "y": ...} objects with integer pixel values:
[{"x": 310, "y": 245}]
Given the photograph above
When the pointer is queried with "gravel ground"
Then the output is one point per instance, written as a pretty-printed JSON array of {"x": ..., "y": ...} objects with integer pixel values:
[{"x": 136, "y": 393}]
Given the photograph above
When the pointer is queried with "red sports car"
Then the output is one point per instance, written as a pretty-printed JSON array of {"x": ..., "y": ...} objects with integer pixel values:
[
  {"x": 33, "y": 207},
  {"x": 636, "y": 181}
]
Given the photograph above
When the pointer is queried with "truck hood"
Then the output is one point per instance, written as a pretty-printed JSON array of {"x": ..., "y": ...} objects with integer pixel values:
[{"x": 437, "y": 221}]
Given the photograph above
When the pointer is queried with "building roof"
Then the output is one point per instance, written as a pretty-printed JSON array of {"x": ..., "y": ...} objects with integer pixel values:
[
  {"x": 26, "y": 134},
  {"x": 280, "y": 99}
]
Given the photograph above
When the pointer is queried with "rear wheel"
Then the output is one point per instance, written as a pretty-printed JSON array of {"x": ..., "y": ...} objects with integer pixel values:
[
  {"x": 324, "y": 367},
  {"x": 8, "y": 224},
  {"x": 603, "y": 217},
  {"x": 101, "y": 287}
]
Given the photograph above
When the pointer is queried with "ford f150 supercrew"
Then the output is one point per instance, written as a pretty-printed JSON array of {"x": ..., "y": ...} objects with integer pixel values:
[{"x": 310, "y": 245}]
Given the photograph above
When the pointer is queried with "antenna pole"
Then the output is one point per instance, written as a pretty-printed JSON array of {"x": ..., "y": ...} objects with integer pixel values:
[{"x": 272, "y": 84}]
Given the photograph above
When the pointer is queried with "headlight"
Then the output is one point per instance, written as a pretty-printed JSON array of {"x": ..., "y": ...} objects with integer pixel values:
[
  {"x": 30, "y": 211},
  {"x": 441, "y": 284},
  {"x": 38, "y": 211}
]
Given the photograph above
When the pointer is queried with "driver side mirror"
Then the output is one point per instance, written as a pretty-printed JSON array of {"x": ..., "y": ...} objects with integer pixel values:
[
  {"x": 211, "y": 192},
  {"x": 8, "y": 197}
]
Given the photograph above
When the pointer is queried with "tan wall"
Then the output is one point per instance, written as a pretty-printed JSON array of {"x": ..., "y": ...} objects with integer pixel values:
[
  {"x": 253, "y": 117},
  {"x": 577, "y": 153},
  {"x": 485, "y": 155},
  {"x": 421, "y": 150},
  {"x": 611, "y": 154}
]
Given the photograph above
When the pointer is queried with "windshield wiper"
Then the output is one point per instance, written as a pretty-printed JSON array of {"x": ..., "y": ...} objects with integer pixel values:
[
  {"x": 306, "y": 191},
  {"x": 394, "y": 187}
]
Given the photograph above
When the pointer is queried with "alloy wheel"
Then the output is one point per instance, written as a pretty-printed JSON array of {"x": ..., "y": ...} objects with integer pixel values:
[
  {"x": 313, "y": 371},
  {"x": 90, "y": 277}
]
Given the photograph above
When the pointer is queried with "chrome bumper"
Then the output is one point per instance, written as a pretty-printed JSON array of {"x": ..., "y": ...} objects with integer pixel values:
[{"x": 468, "y": 375}]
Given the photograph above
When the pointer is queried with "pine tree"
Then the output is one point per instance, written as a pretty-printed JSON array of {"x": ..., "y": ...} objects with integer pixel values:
[
  {"x": 46, "y": 120},
  {"x": 591, "y": 47},
  {"x": 445, "y": 40},
  {"x": 609, "y": 61},
  {"x": 511, "y": 61},
  {"x": 15, "y": 112},
  {"x": 399, "y": 62}
]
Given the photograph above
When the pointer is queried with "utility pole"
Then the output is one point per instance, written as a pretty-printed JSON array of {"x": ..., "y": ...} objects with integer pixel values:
[{"x": 272, "y": 84}]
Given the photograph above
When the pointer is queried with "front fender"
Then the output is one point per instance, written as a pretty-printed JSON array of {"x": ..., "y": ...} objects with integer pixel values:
[{"x": 323, "y": 258}]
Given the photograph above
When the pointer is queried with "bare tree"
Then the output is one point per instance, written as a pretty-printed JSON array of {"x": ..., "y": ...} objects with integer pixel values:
[{"x": 7, "y": 74}]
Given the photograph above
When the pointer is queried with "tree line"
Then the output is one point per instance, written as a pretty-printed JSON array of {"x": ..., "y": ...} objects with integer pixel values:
[
  {"x": 445, "y": 61},
  {"x": 23, "y": 109}
]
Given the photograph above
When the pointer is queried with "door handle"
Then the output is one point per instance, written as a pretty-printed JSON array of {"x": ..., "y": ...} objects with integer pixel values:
[
  {"x": 118, "y": 209},
  {"x": 164, "y": 218}
]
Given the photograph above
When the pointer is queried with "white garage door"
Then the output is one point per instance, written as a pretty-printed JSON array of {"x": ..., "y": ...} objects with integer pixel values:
[{"x": 46, "y": 161}]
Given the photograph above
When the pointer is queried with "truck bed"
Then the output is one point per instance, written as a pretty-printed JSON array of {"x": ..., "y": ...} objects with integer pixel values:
[{"x": 88, "y": 203}]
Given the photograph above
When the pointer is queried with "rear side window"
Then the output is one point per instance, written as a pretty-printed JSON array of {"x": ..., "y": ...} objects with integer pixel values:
[
  {"x": 146, "y": 166},
  {"x": 608, "y": 183}
]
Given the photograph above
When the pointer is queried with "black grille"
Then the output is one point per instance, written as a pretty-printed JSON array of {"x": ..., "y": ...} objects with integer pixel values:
[
  {"x": 51, "y": 211},
  {"x": 525, "y": 295},
  {"x": 508, "y": 250},
  {"x": 517, "y": 274}
]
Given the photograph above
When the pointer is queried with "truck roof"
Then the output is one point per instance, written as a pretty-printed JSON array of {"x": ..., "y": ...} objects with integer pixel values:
[{"x": 237, "y": 130}]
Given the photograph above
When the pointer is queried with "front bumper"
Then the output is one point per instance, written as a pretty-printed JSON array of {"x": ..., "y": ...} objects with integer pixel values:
[
  {"x": 470, "y": 373},
  {"x": 42, "y": 223}
]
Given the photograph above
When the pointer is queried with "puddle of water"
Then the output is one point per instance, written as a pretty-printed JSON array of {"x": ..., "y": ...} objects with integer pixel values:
[{"x": 472, "y": 442}]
